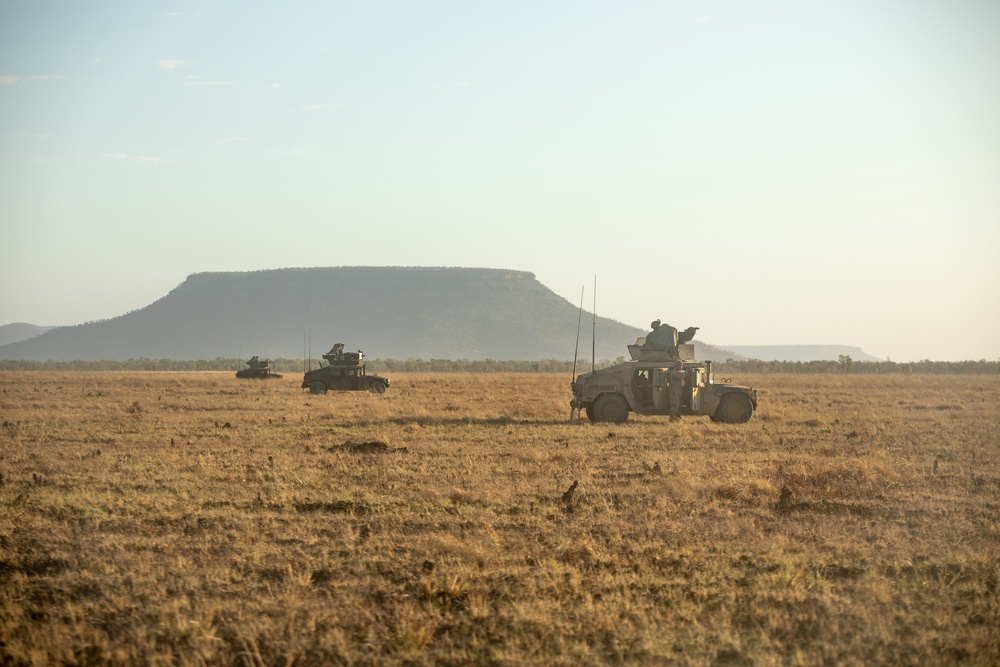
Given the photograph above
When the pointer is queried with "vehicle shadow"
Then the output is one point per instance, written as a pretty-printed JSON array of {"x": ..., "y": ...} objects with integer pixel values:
[{"x": 464, "y": 421}]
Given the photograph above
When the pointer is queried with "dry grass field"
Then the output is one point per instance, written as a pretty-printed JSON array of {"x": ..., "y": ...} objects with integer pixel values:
[{"x": 193, "y": 518}]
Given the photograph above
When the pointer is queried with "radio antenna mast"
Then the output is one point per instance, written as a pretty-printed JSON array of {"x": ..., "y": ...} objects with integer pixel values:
[
  {"x": 579, "y": 320},
  {"x": 572, "y": 379},
  {"x": 593, "y": 339}
]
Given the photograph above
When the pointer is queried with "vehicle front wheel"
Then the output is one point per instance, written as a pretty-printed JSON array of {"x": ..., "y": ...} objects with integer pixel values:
[
  {"x": 376, "y": 387},
  {"x": 317, "y": 388},
  {"x": 734, "y": 409},
  {"x": 610, "y": 408}
]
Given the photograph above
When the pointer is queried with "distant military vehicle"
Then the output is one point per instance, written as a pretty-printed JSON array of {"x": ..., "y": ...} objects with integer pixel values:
[
  {"x": 257, "y": 368},
  {"x": 654, "y": 376},
  {"x": 343, "y": 371}
]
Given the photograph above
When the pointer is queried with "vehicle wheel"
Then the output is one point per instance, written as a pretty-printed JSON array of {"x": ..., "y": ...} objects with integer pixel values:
[
  {"x": 317, "y": 388},
  {"x": 734, "y": 409},
  {"x": 591, "y": 415},
  {"x": 376, "y": 387},
  {"x": 611, "y": 408}
]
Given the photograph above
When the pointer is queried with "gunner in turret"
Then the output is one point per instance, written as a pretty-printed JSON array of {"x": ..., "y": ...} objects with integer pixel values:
[{"x": 663, "y": 337}]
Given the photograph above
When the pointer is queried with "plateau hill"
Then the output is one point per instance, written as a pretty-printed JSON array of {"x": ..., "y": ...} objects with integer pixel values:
[{"x": 400, "y": 313}]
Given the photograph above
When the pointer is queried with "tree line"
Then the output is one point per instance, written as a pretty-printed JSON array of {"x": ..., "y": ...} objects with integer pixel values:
[{"x": 844, "y": 365}]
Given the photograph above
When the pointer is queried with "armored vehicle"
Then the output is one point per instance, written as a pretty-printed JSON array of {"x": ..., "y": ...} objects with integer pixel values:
[
  {"x": 257, "y": 368},
  {"x": 343, "y": 371},
  {"x": 666, "y": 381}
]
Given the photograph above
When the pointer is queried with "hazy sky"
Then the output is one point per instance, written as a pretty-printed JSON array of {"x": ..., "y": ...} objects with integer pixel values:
[{"x": 772, "y": 172}]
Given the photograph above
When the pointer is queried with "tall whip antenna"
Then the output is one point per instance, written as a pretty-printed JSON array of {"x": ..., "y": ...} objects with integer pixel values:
[
  {"x": 579, "y": 320},
  {"x": 593, "y": 339}
]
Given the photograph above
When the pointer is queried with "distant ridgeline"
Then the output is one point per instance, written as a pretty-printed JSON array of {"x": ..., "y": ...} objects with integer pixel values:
[
  {"x": 800, "y": 352},
  {"x": 397, "y": 313},
  {"x": 18, "y": 331}
]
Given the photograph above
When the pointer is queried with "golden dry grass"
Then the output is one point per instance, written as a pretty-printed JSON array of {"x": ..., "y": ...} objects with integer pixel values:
[{"x": 192, "y": 518}]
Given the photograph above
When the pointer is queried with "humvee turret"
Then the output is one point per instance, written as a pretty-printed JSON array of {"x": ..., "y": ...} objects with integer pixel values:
[
  {"x": 643, "y": 385},
  {"x": 258, "y": 368},
  {"x": 343, "y": 371}
]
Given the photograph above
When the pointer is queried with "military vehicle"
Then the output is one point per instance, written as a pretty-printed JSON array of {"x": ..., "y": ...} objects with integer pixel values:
[
  {"x": 656, "y": 371},
  {"x": 343, "y": 371},
  {"x": 257, "y": 368}
]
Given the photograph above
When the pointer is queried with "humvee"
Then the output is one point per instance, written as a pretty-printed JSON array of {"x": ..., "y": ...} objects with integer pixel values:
[
  {"x": 258, "y": 368},
  {"x": 641, "y": 384},
  {"x": 343, "y": 371}
]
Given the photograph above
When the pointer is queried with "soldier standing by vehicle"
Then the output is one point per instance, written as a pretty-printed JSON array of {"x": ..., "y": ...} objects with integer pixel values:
[{"x": 675, "y": 389}]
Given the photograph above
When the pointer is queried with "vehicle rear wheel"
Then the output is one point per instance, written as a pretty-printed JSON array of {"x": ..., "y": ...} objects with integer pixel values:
[
  {"x": 734, "y": 409},
  {"x": 611, "y": 408},
  {"x": 376, "y": 387},
  {"x": 591, "y": 415},
  {"x": 317, "y": 388}
]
